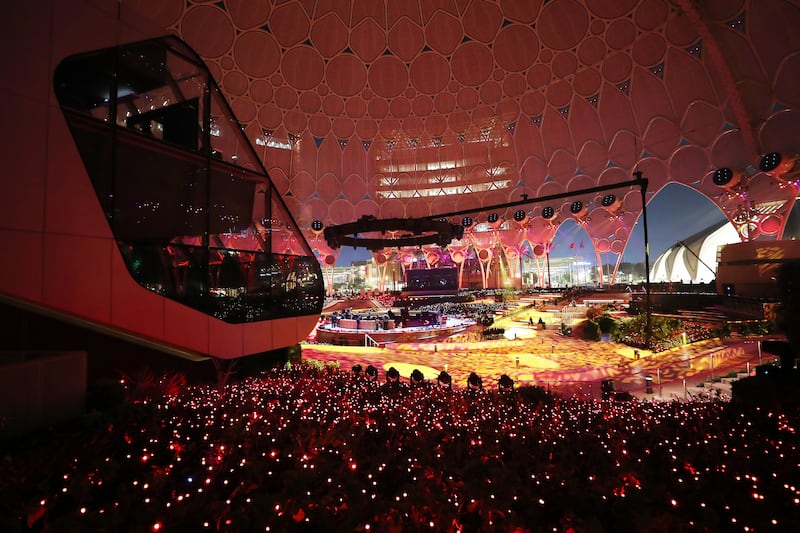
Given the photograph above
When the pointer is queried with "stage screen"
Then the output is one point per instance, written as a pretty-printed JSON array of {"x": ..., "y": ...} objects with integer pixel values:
[{"x": 431, "y": 281}]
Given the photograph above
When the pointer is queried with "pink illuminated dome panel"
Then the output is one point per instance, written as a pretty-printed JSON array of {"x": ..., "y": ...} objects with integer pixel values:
[{"x": 415, "y": 108}]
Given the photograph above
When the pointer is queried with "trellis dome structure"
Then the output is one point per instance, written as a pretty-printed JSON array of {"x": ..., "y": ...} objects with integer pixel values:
[{"x": 410, "y": 108}]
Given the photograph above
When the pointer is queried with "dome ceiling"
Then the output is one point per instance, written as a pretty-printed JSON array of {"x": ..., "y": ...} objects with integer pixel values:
[{"x": 410, "y": 108}]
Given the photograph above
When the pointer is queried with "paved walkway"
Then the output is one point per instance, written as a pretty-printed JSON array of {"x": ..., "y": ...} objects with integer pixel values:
[{"x": 547, "y": 358}]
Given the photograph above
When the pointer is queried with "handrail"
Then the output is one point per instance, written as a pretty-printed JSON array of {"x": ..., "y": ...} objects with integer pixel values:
[{"x": 370, "y": 342}]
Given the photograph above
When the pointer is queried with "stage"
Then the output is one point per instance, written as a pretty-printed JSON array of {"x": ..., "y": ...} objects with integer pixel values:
[{"x": 349, "y": 332}]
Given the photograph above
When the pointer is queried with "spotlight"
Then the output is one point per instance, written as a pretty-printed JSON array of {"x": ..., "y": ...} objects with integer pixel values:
[
  {"x": 611, "y": 203},
  {"x": 316, "y": 225},
  {"x": 444, "y": 380},
  {"x": 727, "y": 178},
  {"x": 576, "y": 207},
  {"x": 466, "y": 222},
  {"x": 776, "y": 164},
  {"x": 417, "y": 378},
  {"x": 392, "y": 375},
  {"x": 492, "y": 218},
  {"x": 770, "y": 162},
  {"x": 548, "y": 212},
  {"x": 372, "y": 373},
  {"x": 474, "y": 381},
  {"x": 505, "y": 384},
  {"x": 723, "y": 176},
  {"x": 608, "y": 200},
  {"x": 520, "y": 215}
]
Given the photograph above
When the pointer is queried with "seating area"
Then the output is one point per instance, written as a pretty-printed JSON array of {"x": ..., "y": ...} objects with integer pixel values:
[{"x": 300, "y": 449}]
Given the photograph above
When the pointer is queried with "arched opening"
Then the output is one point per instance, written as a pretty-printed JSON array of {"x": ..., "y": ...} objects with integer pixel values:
[{"x": 685, "y": 228}]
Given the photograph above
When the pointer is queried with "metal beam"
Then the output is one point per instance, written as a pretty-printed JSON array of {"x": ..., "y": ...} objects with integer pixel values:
[{"x": 638, "y": 182}]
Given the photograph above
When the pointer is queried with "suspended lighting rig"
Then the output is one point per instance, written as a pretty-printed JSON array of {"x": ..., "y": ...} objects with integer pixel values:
[
  {"x": 375, "y": 234},
  {"x": 392, "y": 232}
]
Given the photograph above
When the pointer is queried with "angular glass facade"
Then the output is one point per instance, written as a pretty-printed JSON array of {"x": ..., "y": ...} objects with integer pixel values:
[{"x": 190, "y": 205}]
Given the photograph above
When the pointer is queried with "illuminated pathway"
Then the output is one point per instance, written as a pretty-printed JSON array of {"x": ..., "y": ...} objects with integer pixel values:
[{"x": 549, "y": 359}]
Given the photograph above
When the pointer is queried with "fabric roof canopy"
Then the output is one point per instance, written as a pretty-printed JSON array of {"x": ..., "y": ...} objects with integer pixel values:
[{"x": 409, "y": 108}]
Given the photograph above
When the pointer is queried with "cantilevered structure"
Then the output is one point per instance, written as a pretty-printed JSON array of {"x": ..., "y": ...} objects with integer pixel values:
[{"x": 134, "y": 204}]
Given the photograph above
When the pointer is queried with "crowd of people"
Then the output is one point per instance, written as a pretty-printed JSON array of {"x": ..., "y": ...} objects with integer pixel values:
[
  {"x": 664, "y": 336},
  {"x": 313, "y": 447},
  {"x": 470, "y": 309},
  {"x": 383, "y": 299}
]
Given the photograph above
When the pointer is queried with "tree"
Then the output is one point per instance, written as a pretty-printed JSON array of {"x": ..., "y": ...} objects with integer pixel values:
[
  {"x": 608, "y": 324},
  {"x": 594, "y": 311},
  {"x": 636, "y": 270},
  {"x": 591, "y": 331}
]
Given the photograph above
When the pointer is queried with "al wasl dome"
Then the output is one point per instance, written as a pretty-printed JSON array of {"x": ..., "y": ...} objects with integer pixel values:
[{"x": 409, "y": 109}]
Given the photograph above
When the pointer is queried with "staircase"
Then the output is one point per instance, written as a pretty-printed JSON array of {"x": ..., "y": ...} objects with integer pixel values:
[{"x": 713, "y": 389}]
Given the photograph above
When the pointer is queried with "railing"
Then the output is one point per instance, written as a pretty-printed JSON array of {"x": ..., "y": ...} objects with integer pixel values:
[
  {"x": 372, "y": 343},
  {"x": 667, "y": 378}
]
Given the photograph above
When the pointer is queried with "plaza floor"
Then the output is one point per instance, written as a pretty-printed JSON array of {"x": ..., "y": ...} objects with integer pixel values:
[{"x": 570, "y": 365}]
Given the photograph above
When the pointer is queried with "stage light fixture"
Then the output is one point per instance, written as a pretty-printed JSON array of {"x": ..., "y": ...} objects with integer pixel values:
[
  {"x": 492, "y": 218},
  {"x": 770, "y": 162},
  {"x": 416, "y": 232},
  {"x": 474, "y": 381},
  {"x": 520, "y": 215},
  {"x": 466, "y": 222},
  {"x": 505, "y": 383},
  {"x": 576, "y": 207},
  {"x": 548, "y": 212},
  {"x": 723, "y": 176},
  {"x": 317, "y": 225},
  {"x": 608, "y": 200},
  {"x": 776, "y": 164}
]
